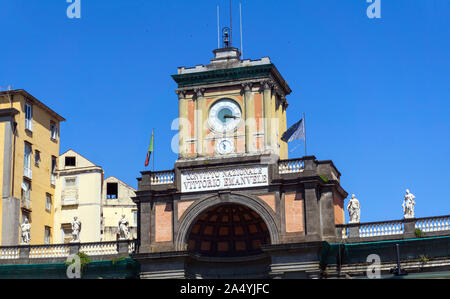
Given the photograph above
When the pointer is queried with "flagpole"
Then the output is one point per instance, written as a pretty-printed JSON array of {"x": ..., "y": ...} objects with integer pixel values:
[
  {"x": 304, "y": 125},
  {"x": 153, "y": 149}
]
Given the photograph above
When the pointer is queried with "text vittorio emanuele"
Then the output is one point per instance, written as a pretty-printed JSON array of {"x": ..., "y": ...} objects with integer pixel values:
[{"x": 194, "y": 181}]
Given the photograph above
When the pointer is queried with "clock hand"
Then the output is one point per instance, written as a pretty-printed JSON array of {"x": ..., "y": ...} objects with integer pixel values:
[{"x": 229, "y": 116}]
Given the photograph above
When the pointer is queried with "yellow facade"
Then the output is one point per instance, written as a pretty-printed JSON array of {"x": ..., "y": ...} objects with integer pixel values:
[{"x": 39, "y": 176}]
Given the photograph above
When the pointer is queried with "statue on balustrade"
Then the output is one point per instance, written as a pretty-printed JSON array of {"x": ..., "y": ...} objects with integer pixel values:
[
  {"x": 408, "y": 205},
  {"x": 354, "y": 210},
  {"x": 124, "y": 232},
  {"x": 26, "y": 228},
  {"x": 76, "y": 229}
]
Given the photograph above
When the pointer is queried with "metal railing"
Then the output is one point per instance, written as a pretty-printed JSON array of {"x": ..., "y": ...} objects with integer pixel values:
[{"x": 395, "y": 227}]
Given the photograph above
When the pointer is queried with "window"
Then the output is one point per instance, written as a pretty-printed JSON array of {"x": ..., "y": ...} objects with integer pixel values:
[
  {"x": 71, "y": 182},
  {"x": 134, "y": 218},
  {"x": 29, "y": 117},
  {"x": 111, "y": 190},
  {"x": 48, "y": 202},
  {"x": 26, "y": 215},
  {"x": 66, "y": 232},
  {"x": 53, "y": 130},
  {"x": 26, "y": 194},
  {"x": 47, "y": 235},
  {"x": 71, "y": 161},
  {"x": 69, "y": 195},
  {"x": 27, "y": 161},
  {"x": 53, "y": 170},
  {"x": 37, "y": 158}
]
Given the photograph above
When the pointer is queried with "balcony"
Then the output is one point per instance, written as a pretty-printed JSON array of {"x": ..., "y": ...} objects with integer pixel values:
[
  {"x": 26, "y": 204},
  {"x": 28, "y": 173}
]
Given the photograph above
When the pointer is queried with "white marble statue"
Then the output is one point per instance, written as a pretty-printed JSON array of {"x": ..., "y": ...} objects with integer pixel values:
[
  {"x": 76, "y": 229},
  {"x": 26, "y": 236},
  {"x": 354, "y": 210},
  {"x": 124, "y": 232},
  {"x": 408, "y": 205}
]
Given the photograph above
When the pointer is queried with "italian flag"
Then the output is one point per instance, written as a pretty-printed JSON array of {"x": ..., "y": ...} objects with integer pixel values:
[{"x": 150, "y": 150}]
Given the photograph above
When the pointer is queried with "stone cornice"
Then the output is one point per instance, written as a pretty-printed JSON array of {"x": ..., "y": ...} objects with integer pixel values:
[
  {"x": 266, "y": 71},
  {"x": 8, "y": 112}
]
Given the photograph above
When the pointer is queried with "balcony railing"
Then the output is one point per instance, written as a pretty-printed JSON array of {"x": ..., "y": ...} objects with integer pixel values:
[
  {"x": 162, "y": 177},
  {"x": 64, "y": 250},
  {"x": 393, "y": 228},
  {"x": 290, "y": 166}
]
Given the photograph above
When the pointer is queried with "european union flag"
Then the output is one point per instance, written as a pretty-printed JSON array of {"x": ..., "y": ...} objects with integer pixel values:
[{"x": 296, "y": 132}]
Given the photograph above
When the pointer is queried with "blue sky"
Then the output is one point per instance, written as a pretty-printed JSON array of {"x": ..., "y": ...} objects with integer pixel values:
[{"x": 376, "y": 92}]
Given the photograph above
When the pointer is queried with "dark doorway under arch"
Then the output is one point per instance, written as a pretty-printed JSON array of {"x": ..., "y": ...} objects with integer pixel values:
[{"x": 229, "y": 230}]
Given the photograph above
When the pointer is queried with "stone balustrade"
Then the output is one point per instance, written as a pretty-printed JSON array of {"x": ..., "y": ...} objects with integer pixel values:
[
  {"x": 433, "y": 224},
  {"x": 9, "y": 253},
  {"x": 162, "y": 177},
  {"x": 52, "y": 251},
  {"x": 291, "y": 166},
  {"x": 64, "y": 250},
  {"x": 439, "y": 225}
]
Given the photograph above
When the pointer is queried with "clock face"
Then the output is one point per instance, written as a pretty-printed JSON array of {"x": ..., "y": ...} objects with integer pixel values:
[
  {"x": 224, "y": 146},
  {"x": 224, "y": 116}
]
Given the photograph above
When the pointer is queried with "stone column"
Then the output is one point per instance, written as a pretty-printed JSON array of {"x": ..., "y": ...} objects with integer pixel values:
[
  {"x": 200, "y": 107},
  {"x": 284, "y": 145},
  {"x": 250, "y": 123},
  {"x": 267, "y": 113},
  {"x": 183, "y": 124}
]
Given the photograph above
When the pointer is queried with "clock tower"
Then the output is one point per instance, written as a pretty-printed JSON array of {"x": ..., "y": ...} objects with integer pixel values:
[
  {"x": 231, "y": 107},
  {"x": 234, "y": 206}
]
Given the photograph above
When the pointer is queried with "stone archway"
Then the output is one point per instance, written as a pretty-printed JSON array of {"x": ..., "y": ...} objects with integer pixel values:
[{"x": 258, "y": 214}]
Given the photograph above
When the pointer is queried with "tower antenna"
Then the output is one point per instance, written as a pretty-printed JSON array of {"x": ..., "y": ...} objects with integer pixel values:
[
  {"x": 218, "y": 27},
  {"x": 231, "y": 26},
  {"x": 242, "y": 41}
]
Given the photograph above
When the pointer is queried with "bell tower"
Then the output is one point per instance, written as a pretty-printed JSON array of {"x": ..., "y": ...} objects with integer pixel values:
[{"x": 231, "y": 107}]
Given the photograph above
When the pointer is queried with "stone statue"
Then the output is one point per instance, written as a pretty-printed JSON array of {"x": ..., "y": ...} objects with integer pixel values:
[
  {"x": 26, "y": 227},
  {"x": 354, "y": 210},
  {"x": 408, "y": 205},
  {"x": 76, "y": 229},
  {"x": 124, "y": 232}
]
